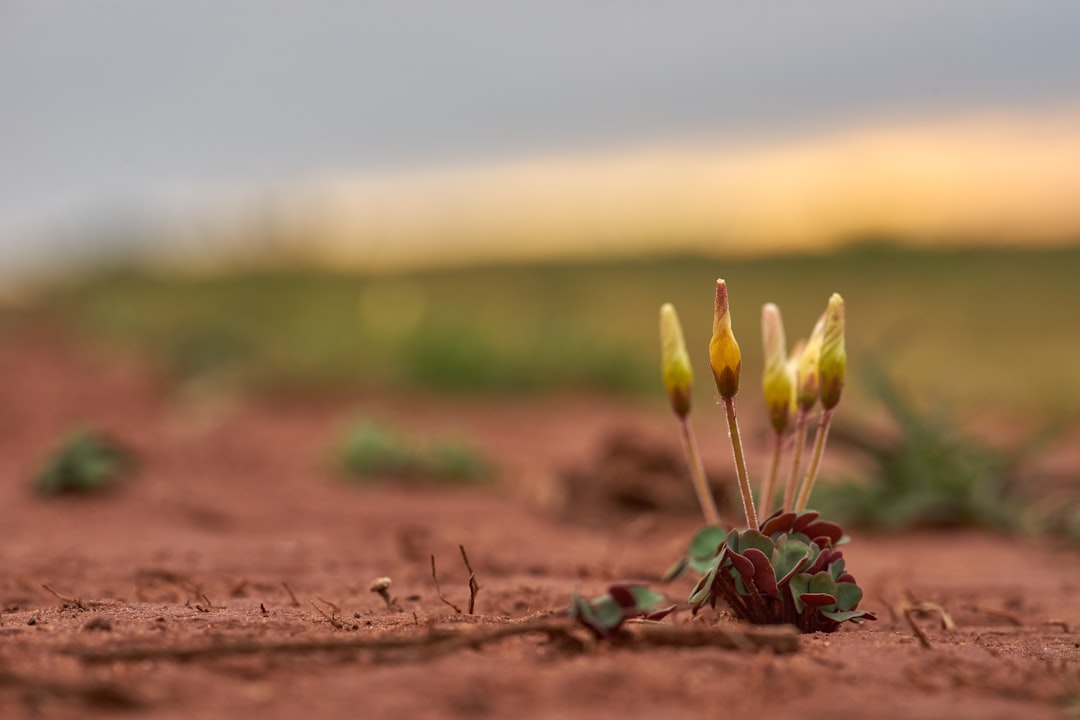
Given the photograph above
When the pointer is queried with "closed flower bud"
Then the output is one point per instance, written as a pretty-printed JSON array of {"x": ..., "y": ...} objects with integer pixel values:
[
  {"x": 725, "y": 359},
  {"x": 674, "y": 361},
  {"x": 807, "y": 377},
  {"x": 833, "y": 361},
  {"x": 778, "y": 382}
]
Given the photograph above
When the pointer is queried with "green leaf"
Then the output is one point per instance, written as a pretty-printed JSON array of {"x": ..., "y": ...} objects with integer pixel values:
[
  {"x": 789, "y": 557},
  {"x": 800, "y": 585},
  {"x": 755, "y": 539},
  {"x": 704, "y": 546},
  {"x": 644, "y": 598},
  {"x": 676, "y": 571},
  {"x": 607, "y": 612},
  {"x": 845, "y": 615},
  {"x": 848, "y": 595},
  {"x": 822, "y": 582}
]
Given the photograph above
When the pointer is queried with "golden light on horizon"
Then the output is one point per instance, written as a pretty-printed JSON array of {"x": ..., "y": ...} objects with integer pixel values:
[{"x": 972, "y": 180}]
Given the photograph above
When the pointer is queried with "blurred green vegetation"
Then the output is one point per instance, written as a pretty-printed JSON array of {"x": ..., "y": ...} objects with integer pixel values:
[
  {"x": 371, "y": 451},
  {"x": 978, "y": 327},
  {"x": 932, "y": 475},
  {"x": 85, "y": 462}
]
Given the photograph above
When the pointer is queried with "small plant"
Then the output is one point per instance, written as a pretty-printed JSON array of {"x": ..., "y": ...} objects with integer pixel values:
[
  {"x": 373, "y": 451},
  {"x": 785, "y": 568},
  {"x": 929, "y": 476},
  {"x": 606, "y": 614},
  {"x": 85, "y": 462}
]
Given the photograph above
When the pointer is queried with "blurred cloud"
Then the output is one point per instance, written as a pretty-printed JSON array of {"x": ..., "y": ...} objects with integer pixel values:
[{"x": 136, "y": 113}]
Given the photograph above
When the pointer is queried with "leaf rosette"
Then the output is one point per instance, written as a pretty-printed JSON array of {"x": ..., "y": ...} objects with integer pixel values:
[{"x": 789, "y": 571}]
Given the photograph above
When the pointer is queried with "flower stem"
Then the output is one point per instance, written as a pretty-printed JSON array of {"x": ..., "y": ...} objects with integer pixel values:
[
  {"x": 697, "y": 473},
  {"x": 801, "y": 421},
  {"x": 815, "y": 460},
  {"x": 740, "y": 464},
  {"x": 769, "y": 488}
]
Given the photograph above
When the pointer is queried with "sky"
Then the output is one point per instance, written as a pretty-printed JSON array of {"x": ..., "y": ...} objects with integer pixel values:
[{"x": 129, "y": 112}]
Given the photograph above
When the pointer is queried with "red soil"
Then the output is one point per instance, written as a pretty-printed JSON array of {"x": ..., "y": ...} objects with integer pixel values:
[{"x": 237, "y": 504}]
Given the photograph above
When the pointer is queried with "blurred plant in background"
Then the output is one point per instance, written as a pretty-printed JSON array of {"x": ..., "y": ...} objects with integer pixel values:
[
  {"x": 560, "y": 326},
  {"x": 931, "y": 474},
  {"x": 370, "y": 451},
  {"x": 85, "y": 462}
]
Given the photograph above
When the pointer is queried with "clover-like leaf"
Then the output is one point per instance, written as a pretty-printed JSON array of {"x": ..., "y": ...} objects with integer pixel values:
[
  {"x": 836, "y": 568},
  {"x": 754, "y": 539},
  {"x": 799, "y": 585},
  {"x": 789, "y": 557},
  {"x": 822, "y": 582},
  {"x": 764, "y": 576},
  {"x": 823, "y": 528},
  {"x": 703, "y": 548},
  {"x": 706, "y": 543},
  {"x": 605, "y": 614},
  {"x": 641, "y": 599},
  {"x": 848, "y": 595},
  {"x": 741, "y": 563},
  {"x": 803, "y": 520},
  {"x": 782, "y": 523}
]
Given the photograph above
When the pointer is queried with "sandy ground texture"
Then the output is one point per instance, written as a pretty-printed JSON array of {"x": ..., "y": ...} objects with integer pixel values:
[{"x": 230, "y": 578}]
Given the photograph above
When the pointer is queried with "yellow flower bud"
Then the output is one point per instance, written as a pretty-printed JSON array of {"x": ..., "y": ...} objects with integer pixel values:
[
  {"x": 725, "y": 359},
  {"x": 778, "y": 382},
  {"x": 833, "y": 361},
  {"x": 808, "y": 380},
  {"x": 674, "y": 361}
]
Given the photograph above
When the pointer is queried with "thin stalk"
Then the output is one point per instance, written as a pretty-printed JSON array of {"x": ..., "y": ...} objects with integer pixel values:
[
  {"x": 801, "y": 421},
  {"x": 740, "y": 464},
  {"x": 815, "y": 460},
  {"x": 768, "y": 489},
  {"x": 697, "y": 473}
]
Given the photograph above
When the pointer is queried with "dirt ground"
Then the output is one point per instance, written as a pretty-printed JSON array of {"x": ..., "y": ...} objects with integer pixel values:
[{"x": 222, "y": 581}]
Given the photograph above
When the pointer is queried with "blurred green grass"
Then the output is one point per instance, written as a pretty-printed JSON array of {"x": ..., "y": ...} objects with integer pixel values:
[{"x": 976, "y": 327}]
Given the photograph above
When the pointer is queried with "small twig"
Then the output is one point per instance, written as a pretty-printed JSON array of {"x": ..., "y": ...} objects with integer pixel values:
[
  {"x": 438, "y": 590},
  {"x": 1057, "y": 622},
  {"x": 946, "y": 619},
  {"x": 333, "y": 606},
  {"x": 909, "y": 615},
  {"x": 155, "y": 575},
  {"x": 1009, "y": 617},
  {"x": 474, "y": 587},
  {"x": 780, "y": 639},
  {"x": 292, "y": 595},
  {"x": 329, "y": 618},
  {"x": 209, "y": 605},
  {"x": 63, "y": 598}
]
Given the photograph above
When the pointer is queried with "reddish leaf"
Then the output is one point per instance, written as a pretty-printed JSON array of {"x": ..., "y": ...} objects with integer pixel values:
[
  {"x": 817, "y": 599},
  {"x": 825, "y": 528},
  {"x": 661, "y": 613},
  {"x": 779, "y": 523},
  {"x": 764, "y": 576},
  {"x": 744, "y": 566},
  {"x": 804, "y": 520},
  {"x": 623, "y": 597}
]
